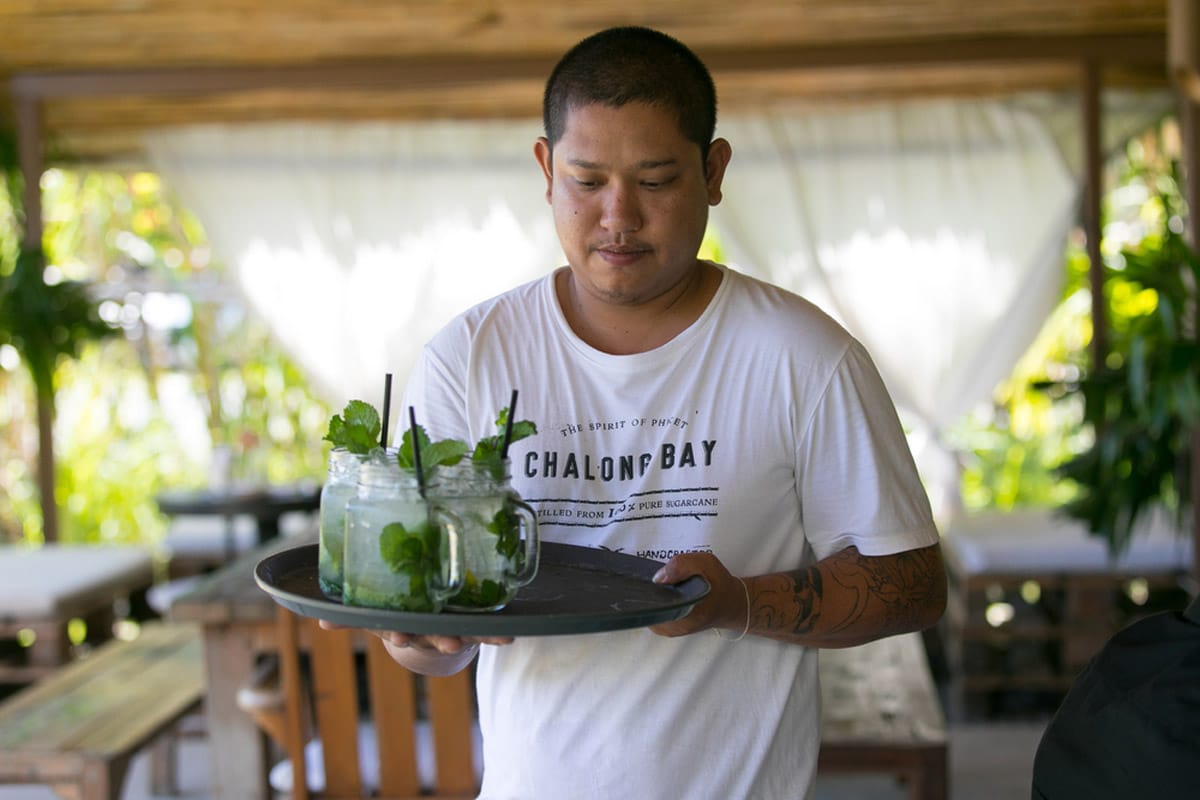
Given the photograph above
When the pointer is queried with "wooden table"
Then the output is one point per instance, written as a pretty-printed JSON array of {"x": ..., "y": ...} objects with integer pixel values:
[
  {"x": 238, "y": 622},
  {"x": 880, "y": 713},
  {"x": 43, "y": 588},
  {"x": 266, "y": 504}
]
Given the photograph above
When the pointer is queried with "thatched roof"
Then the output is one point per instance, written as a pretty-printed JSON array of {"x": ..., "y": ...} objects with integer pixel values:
[{"x": 101, "y": 70}]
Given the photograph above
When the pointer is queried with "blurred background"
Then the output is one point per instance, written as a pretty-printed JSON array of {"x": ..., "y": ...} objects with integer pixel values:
[{"x": 221, "y": 223}]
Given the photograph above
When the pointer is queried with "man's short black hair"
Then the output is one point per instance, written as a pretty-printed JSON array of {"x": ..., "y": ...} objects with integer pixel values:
[{"x": 633, "y": 65}]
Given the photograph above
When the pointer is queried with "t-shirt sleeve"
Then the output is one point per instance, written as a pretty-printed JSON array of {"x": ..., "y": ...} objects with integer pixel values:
[
  {"x": 858, "y": 483},
  {"x": 436, "y": 390}
]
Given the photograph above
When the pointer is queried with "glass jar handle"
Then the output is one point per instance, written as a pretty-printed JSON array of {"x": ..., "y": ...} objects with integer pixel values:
[
  {"x": 451, "y": 577},
  {"x": 527, "y": 523}
]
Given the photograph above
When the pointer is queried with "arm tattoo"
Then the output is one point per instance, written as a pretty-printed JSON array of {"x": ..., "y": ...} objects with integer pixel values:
[{"x": 840, "y": 592}]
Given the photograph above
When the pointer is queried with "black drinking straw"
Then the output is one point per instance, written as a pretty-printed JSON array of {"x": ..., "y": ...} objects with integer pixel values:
[
  {"x": 512, "y": 413},
  {"x": 387, "y": 408},
  {"x": 412, "y": 431}
]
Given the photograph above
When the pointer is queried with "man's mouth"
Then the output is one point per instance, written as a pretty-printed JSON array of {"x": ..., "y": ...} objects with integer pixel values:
[{"x": 622, "y": 253}]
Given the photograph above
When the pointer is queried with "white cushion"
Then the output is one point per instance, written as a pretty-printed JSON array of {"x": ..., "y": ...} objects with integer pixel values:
[
  {"x": 281, "y": 775},
  {"x": 161, "y": 596},
  {"x": 206, "y": 536},
  {"x": 56, "y": 579},
  {"x": 1047, "y": 541}
]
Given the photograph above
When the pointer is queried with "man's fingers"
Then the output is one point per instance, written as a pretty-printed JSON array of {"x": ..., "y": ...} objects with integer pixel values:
[
  {"x": 447, "y": 645},
  {"x": 441, "y": 644}
]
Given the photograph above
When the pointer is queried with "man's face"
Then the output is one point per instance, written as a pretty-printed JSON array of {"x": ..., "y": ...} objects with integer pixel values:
[{"x": 630, "y": 197}]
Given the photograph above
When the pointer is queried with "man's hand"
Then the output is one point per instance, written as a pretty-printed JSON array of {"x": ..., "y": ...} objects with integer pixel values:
[
  {"x": 725, "y": 606},
  {"x": 445, "y": 645},
  {"x": 426, "y": 654}
]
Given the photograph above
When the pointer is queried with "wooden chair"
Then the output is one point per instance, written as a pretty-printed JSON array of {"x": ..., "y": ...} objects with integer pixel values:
[{"x": 325, "y": 698}]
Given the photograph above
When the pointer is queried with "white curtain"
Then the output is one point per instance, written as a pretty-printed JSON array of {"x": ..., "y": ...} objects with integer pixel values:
[
  {"x": 933, "y": 230},
  {"x": 357, "y": 242}
]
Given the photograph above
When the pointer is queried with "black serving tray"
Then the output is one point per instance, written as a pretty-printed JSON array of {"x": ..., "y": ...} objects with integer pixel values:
[{"x": 577, "y": 590}]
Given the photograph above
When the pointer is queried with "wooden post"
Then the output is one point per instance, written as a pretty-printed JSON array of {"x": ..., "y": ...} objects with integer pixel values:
[
  {"x": 1189, "y": 128},
  {"x": 30, "y": 155},
  {"x": 1183, "y": 57},
  {"x": 1093, "y": 188}
]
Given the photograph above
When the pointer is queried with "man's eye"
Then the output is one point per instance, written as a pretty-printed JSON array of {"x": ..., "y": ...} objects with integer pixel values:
[{"x": 657, "y": 183}]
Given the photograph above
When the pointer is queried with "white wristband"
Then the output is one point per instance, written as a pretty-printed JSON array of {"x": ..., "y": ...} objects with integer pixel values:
[{"x": 745, "y": 629}]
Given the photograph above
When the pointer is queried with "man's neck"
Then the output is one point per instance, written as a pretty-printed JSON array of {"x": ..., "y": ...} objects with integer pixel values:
[{"x": 625, "y": 330}]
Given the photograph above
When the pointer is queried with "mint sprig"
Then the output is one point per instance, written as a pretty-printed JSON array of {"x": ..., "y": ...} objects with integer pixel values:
[
  {"x": 357, "y": 430},
  {"x": 448, "y": 452},
  {"x": 488, "y": 448}
]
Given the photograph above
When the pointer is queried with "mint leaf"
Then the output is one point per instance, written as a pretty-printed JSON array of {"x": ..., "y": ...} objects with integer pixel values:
[
  {"x": 358, "y": 431},
  {"x": 442, "y": 453},
  {"x": 448, "y": 452},
  {"x": 405, "y": 456},
  {"x": 402, "y": 550},
  {"x": 506, "y": 527},
  {"x": 488, "y": 448},
  {"x": 490, "y": 592}
]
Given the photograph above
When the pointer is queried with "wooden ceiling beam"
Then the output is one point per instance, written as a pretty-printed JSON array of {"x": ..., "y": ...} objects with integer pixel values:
[{"x": 443, "y": 71}]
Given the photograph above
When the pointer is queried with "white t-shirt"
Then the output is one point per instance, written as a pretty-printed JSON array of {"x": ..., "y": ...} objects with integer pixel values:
[{"x": 763, "y": 434}]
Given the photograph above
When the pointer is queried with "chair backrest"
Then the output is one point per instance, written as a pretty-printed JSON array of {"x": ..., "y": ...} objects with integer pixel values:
[{"x": 398, "y": 704}]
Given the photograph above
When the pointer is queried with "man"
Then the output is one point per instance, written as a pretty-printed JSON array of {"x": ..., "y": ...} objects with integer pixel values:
[{"x": 720, "y": 424}]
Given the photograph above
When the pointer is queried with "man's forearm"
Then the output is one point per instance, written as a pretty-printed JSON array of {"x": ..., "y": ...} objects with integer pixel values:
[{"x": 849, "y": 599}]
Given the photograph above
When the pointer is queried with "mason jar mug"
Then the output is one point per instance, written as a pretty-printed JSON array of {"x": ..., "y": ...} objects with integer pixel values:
[
  {"x": 498, "y": 533},
  {"x": 401, "y": 552}
]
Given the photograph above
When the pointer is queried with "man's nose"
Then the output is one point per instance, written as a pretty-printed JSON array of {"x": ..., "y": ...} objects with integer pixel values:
[{"x": 621, "y": 213}]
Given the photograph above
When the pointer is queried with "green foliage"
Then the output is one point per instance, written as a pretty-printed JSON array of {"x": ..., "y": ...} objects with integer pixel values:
[
  {"x": 20, "y": 513},
  {"x": 1012, "y": 447},
  {"x": 117, "y": 449},
  {"x": 140, "y": 412},
  {"x": 267, "y": 413},
  {"x": 1033, "y": 446},
  {"x": 358, "y": 428},
  {"x": 46, "y": 322},
  {"x": 1144, "y": 403}
]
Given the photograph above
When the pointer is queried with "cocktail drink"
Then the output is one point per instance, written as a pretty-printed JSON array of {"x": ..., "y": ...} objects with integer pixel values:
[
  {"x": 401, "y": 552},
  {"x": 499, "y": 533},
  {"x": 341, "y": 484}
]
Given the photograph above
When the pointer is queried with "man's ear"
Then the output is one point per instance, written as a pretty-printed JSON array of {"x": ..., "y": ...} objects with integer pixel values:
[
  {"x": 719, "y": 154},
  {"x": 545, "y": 159}
]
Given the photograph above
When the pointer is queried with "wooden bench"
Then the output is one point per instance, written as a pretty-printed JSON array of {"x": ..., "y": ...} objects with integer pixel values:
[
  {"x": 880, "y": 713},
  {"x": 77, "y": 729}
]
